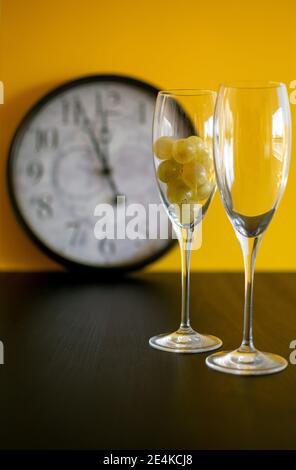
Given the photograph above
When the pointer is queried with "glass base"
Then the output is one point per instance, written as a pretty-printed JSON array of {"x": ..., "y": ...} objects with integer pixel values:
[
  {"x": 185, "y": 340},
  {"x": 240, "y": 362}
]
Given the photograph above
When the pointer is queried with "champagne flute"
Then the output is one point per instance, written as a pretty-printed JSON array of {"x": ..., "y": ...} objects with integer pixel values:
[
  {"x": 182, "y": 144},
  {"x": 252, "y": 141}
]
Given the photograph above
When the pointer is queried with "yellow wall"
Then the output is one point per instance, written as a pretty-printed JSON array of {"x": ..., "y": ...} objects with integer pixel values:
[{"x": 169, "y": 43}]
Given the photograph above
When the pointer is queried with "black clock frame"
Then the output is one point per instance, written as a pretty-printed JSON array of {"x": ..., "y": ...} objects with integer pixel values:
[{"x": 66, "y": 263}]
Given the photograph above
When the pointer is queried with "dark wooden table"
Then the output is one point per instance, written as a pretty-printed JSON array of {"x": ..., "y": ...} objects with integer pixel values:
[{"x": 79, "y": 373}]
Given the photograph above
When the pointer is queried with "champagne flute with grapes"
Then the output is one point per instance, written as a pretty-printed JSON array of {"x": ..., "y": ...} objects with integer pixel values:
[
  {"x": 252, "y": 130},
  {"x": 182, "y": 145}
]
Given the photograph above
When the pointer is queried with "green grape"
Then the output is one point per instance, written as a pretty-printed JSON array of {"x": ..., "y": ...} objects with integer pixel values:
[
  {"x": 204, "y": 191},
  {"x": 184, "y": 151},
  {"x": 196, "y": 141},
  {"x": 163, "y": 148},
  {"x": 178, "y": 192},
  {"x": 204, "y": 158},
  {"x": 194, "y": 175},
  {"x": 209, "y": 166},
  {"x": 168, "y": 171}
]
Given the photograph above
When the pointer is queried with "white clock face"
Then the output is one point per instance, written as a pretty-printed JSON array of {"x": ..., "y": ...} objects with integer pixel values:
[{"x": 86, "y": 145}]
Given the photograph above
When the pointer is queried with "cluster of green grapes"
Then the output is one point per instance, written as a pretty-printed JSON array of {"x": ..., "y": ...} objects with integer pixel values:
[{"x": 187, "y": 169}]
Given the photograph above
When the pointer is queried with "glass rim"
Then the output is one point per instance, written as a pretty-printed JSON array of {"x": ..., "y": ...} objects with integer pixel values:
[
  {"x": 252, "y": 84},
  {"x": 187, "y": 92}
]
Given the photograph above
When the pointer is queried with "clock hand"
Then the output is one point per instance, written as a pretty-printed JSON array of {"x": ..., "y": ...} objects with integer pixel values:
[
  {"x": 96, "y": 171},
  {"x": 101, "y": 155},
  {"x": 104, "y": 131}
]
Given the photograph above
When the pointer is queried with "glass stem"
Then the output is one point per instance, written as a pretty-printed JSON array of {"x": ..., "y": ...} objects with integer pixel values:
[
  {"x": 185, "y": 241},
  {"x": 249, "y": 248}
]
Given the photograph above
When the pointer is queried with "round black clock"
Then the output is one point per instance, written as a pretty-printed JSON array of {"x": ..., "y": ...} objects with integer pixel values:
[{"x": 86, "y": 143}]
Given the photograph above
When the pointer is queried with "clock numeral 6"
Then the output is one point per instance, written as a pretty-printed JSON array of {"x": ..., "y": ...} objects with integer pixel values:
[
  {"x": 43, "y": 206},
  {"x": 46, "y": 139},
  {"x": 107, "y": 247}
]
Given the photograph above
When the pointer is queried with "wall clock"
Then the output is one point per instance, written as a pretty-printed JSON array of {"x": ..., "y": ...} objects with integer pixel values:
[{"x": 84, "y": 143}]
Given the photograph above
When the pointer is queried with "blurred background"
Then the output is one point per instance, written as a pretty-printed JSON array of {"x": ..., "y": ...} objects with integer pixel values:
[{"x": 189, "y": 44}]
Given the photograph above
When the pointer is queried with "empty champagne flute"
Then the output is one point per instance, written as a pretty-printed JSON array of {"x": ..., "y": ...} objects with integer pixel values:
[
  {"x": 182, "y": 144},
  {"x": 252, "y": 141}
]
